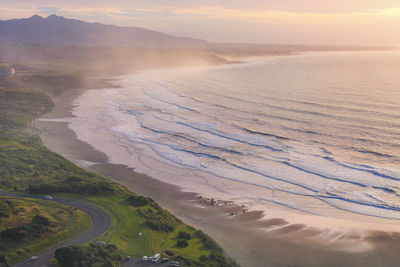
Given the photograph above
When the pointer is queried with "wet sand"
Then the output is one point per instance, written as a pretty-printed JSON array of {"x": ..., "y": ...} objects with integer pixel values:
[{"x": 244, "y": 236}]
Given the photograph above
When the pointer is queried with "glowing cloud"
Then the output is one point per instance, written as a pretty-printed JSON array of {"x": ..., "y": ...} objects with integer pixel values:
[{"x": 296, "y": 21}]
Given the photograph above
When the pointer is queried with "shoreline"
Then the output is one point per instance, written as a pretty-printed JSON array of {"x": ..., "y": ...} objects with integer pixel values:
[{"x": 250, "y": 245}]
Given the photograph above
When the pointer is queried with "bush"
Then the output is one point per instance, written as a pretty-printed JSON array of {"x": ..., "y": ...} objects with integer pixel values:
[
  {"x": 169, "y": 253},
  {"x": 203, "y": 258},
  {"x": 65, "y": 256},
  {"x": 36, "y": 228},
  {"x": 38, "y": 219},
  {"x": 184, "y": 235},
  {"x": 157, "y": 225},
  {"x": 82, "y": 187},
  {"x": 14, "y": 234},
  {"x": 138, "y": 201},
  {"x": 158, "y": 220},
  {"x": 73, "y": 179},
  {"x": 182, "y": 243},
  {"x": 88, "y": 255}
]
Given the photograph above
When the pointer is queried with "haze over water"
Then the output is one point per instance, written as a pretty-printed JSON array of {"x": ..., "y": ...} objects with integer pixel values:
[{"x": 316, "y": 133}]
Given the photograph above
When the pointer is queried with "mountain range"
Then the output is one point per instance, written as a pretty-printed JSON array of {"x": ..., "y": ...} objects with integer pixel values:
[{"x": 59, "y": 31}]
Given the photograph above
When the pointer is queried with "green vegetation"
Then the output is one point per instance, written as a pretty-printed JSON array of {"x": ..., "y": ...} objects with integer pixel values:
[
  {"x": 49, "y": 83},
  {"x": 138, "y": 201},
  {"x": 184, "y": 235},
  {"x": 89, "y": 255},
  {"x": 131, "y": 233},
  {"x": 27, "y": 165},
  {"x": 28, "y": 226},
  {"x": 139, "y": 225},
  {"x": 182, "y": 243}
]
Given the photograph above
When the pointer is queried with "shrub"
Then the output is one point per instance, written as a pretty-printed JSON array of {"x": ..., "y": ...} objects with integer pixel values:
[
  {"x": 169, "y": 253},
  {"x": 138, "y": 201},
  {"x": 15, "y": 234},
  {"x": 157, "y": 225},
  {"x": 88, "y": 255},
  {"x": 39, "y": 219},
  {"x": 73, "y": 179},
  {"x": 158, "y": 220},
  {"x": 182, "y": 243},
  {"x": 65, "y": 256},
  {"x": 203, "y": 258},
  {"x": 184, "y": 235}
]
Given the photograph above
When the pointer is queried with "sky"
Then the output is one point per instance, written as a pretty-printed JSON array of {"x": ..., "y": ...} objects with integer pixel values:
[{"x": 330, "y": 22}]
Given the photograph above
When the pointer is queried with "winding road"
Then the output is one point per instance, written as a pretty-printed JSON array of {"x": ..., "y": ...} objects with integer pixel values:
[{"x": 100, "y": 223}]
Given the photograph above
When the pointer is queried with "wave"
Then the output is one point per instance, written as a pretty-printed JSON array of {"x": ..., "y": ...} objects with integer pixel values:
[
  {"x": 265, "y": 134},
  {"x": 278, "y": 137}
]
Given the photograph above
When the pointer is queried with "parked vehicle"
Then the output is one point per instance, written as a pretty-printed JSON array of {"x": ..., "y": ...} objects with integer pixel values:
[
  {"x": 156, "y": 257},
  {"x": 33, "y": 258}
]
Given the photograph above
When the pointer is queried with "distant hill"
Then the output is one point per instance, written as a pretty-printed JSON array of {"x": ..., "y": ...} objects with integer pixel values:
[{"x": 59, "y": 31}]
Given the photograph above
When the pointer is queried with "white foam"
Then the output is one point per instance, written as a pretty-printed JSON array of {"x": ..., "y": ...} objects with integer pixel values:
[{"x": 186, "y": 128}]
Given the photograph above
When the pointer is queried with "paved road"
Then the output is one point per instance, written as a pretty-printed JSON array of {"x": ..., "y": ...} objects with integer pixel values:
[{"x": 100, "y": 223}]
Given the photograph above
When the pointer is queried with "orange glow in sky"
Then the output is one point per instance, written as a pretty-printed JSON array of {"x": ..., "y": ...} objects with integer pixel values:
[{"x": 368, "y": 22}]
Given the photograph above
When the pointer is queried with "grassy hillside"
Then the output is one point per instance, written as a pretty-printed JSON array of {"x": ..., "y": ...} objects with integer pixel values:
[
  {"x": 140, "y": 226},
  {"x": 25, "y": 164},
  {"x": 28, "y": 226},
  {"x": 146, "y": 229}
]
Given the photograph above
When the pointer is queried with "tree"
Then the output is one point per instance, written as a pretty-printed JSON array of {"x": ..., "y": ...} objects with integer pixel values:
[
  {"x": 65, "y": 256},
  {"x": 182, "y": 243},
  {"x": 203, "y": 258},
  {"x": 184, "y": 235}
]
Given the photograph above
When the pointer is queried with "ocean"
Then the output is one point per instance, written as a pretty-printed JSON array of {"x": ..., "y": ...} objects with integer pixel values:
[{"x": 314, "y": 134}]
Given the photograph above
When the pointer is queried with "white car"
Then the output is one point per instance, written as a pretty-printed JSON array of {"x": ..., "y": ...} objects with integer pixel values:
[
  {"x": 101, "y": 243},
  {"x": 156, "y": 257},
  {"x": 33, "y": 258},
  {"x": 144, "y": 258},
  {"x": 48, "y": 197}
]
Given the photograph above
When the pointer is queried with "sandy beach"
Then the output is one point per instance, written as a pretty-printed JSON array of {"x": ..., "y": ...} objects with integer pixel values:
[{"x": 246, "y": 236}]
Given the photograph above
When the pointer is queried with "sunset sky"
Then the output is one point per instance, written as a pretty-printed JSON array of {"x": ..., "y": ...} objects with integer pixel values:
[{"x": 364, "y": 22}]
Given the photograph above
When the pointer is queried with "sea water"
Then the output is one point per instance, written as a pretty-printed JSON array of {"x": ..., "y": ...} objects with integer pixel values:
[{"x": 317, "y": 133}]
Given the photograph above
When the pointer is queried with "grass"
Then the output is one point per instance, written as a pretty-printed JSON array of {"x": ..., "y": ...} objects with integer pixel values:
[
  {"x": 134, "y": 238},
  {"x": 65, "y": 223},
  {"x": 130, "y": 233},
  {"x": 25, "y": 163}
]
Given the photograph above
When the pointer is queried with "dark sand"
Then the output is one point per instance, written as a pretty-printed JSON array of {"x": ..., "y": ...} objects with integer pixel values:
[{"x": 241, "y": 235}]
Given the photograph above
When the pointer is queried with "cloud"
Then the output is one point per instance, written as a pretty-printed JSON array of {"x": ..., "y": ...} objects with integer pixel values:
[
  {"x": 307, "y": 6},
  {"x": 15, "y": 12},
  {"x": 284, "y": 21}
]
